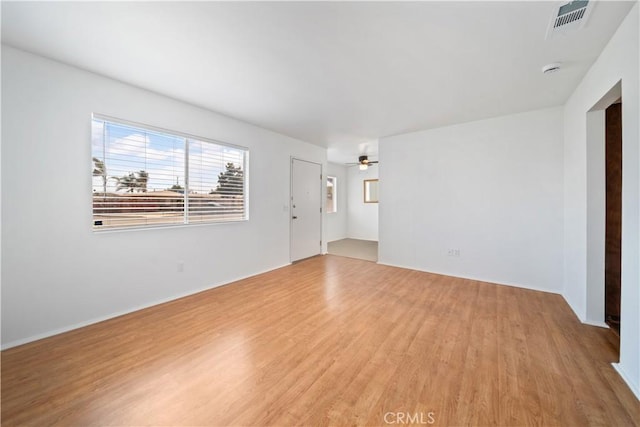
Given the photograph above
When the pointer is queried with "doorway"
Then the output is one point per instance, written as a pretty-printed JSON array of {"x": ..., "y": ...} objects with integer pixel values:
[
  {"x": 306, "y": 209},
  {"x": 604, "y": 206},
  {"x": 354, "y": 248},
  {"x": 613, "y": 214}
]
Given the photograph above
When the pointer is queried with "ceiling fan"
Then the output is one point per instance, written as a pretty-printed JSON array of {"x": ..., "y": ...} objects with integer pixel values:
[{"x": 363, "y": 162}]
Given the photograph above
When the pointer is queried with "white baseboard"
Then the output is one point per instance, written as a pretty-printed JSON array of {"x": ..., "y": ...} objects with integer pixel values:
[
  {"x": 94, "y": 320},
  {"x": 476, "y": 279},
  {"x": 597, "y": 323},
  {"x": 633, "y": 386}
]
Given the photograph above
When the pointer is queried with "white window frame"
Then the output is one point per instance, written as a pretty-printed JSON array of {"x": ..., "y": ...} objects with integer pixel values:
[{"x": 185, "y": 173}]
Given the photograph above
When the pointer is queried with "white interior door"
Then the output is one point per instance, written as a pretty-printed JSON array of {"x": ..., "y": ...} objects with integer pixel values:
[{"x": 306, "y": 209}]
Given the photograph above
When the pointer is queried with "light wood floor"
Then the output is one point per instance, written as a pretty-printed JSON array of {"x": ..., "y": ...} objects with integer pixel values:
[{"x": 329, "y": 340}]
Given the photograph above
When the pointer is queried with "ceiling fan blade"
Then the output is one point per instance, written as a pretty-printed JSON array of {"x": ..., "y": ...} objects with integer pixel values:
[{"x": 363, "y": 160}]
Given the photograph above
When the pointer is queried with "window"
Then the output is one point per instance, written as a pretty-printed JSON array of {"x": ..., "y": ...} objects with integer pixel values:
[
  {"x": 145, "y": 177},
  {"x": 371, "y": 191},
  {"x": 332, "y": 195}
]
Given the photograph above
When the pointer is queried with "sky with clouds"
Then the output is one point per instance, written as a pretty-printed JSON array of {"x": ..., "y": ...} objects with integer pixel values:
[{"x": 128, "y": 149}]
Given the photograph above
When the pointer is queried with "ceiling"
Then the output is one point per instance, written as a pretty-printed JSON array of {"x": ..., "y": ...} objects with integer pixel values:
[{"x": 336, "y": 74}]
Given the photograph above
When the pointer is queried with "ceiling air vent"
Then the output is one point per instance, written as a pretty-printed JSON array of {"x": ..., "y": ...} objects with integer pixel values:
[{"x": 569, "y": 17}]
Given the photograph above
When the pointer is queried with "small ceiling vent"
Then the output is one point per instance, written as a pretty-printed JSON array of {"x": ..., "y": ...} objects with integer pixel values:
[{"x": 569, "y": 17}]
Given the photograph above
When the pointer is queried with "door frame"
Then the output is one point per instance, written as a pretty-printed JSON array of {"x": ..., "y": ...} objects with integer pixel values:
[
  {"x": 595, "y": 206},
  {"x": 322, "y": 197}
]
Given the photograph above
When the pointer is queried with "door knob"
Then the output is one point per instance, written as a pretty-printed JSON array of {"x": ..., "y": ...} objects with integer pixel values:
[{"x": 294, "y": 217}]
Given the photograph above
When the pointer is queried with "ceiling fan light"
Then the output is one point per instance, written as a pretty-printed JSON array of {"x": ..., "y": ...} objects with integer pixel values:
[{"x": 363, "y": 166}]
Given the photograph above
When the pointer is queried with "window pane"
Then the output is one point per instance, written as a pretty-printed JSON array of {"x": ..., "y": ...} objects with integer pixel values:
[
  {"x": 216, "y": 182},
  {"x": 135, "y": 176}
]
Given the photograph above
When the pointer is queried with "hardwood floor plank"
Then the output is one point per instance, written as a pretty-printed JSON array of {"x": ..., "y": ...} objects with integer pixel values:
[{"x": 327, "y": 341}]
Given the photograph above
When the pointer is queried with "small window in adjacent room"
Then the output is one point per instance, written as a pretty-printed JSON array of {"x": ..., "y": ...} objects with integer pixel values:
[
  {"x": 332, "y": 195},
  {"x": 147, "y": 177}
]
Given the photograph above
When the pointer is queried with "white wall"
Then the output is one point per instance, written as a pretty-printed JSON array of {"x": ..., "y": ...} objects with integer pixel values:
[
  {"x": 56, "y": 273},
  {"x": 362, "y": 217},
  {"x": 336, "y": 222},
  {"x": 491, "y": 189},
  {"x": 618, "y": 62},
  {"x": 596, "y": 209}
]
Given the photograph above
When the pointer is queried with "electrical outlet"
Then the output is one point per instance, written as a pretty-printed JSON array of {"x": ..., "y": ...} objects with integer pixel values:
[
  {"x": 180, "y": 266},
  {"x": 453, "y": 252}
]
